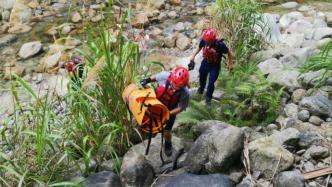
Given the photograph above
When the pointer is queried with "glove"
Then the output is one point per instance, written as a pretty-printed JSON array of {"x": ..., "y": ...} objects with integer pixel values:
[
  {"x": 144, "y": 82},
  {"x": 191, "y": 65}
]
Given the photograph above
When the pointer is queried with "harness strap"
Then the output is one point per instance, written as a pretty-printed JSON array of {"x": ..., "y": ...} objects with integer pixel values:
[{"x": 150, "y": 137}]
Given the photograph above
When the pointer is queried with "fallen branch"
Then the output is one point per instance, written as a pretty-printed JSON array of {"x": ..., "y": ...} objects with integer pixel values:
[{"x": 317, "y": 173}]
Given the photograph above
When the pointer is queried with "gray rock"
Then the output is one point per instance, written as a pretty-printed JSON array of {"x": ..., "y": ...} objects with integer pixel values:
[
  {"x": 270, "y": 66},
  {"x": 179, "y": 26},
  {"x": 154, "y": 152},
  {"x": 271, "y": 127},
  {"x": 247, "y": 182},
  {"x": 136, "y": 171},
  {"x": 328, "y": 16},
  {"x": 289, "y": 136},
  {"x": 291, "y": 110},
  {"x": 312, "y": 78},
  {"x": 317, "y": 105},
  {"x": 320, "y": 33},
  {"x": 319, "y": 23},
  {"x": 7, "y": 4},
  {"x": 5, "y": 15},
  {"x": 227, "y": 143},
  {"x": 312, "y": 184},
  {"x": 317, "y": 152},
  {"x": 108, "y": 165},
  {"x": 303, "y": 115},
  {"x": 308, "y": 166},
  {"x": 172, "y": 15},
  {"x": 297, "y": 57},
  {"x": 30, "y": 49},
  {"x": 298, "y": 95},
  {"x": 170, "y": 40},
  {"x": 103, "y": 179},
  {"x": 163, "y": 180},
  {"x": 316, "y": 120},
  {"x": 289, "y": 178},
  {"x": 236, "y": 176},
  {"x": 300, "y": 26},
  {"x": 289, "y": 5},
  {"x": 294, "y": 40},
  {"x": 192, "y": 180},
  {"x": 183, "y": 42},
  {"x": 287, "y": 78},
  {"x": 7, "y": 39},
  {"x": 289, "y": 18},
  {"x": 265, "y": 154}
]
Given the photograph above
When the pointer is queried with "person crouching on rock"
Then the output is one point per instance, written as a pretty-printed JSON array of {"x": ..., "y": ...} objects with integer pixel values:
[
  {"x": 173, "y": 92},
  {"x": 213, "y": 51},
  {"x": 75, "y": 69}
]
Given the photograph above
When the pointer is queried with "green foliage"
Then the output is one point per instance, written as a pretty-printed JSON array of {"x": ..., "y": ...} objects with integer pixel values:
[
  {"x": 237, "y": 21},
  {"x": 248, "y": 100}
]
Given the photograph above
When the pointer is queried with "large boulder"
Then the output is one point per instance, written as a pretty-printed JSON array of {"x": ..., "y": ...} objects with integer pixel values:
[
  {"x": 286, "y": 78},
  {"x": 266, "y": 154},
  {"x": 30, "y": 49},
  {"x": 317, "y": 105},
  {"x": 136, "y": 171},
  {"x": 192, "y": 180},
  {"x": 103, "y": 179},
  {"x": 216, "y": 149},
  {"x": 289, "y": 179},
  {"x": 153, "y": 157},
  {"x": 270, "y": 66},
  {"x": 163, "y": 180}
]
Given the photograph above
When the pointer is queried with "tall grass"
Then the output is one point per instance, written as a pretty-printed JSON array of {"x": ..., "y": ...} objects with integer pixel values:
[
  {"x": 237, "y": 21},
  {"x": 41, "y": 145}
]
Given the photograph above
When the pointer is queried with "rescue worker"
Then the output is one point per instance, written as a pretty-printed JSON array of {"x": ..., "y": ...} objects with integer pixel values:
[
  {"x": 75, "y": 68},
  {"x": 213, "y": 52},
  {"x": 173, "y": 92}
]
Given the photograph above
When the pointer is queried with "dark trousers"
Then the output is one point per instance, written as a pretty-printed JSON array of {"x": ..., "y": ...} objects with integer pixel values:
[
  {"x": 213, "y": 71},
  {"x": 170, "y": 122}
]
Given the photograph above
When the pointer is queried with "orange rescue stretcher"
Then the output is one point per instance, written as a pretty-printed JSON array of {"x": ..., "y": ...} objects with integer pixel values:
[{"x": 150, "y": 114}]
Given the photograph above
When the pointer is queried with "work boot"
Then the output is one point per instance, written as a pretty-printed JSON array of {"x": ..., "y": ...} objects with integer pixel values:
[
  {"x": 200, "y": 91},
  {"x": 168, "y": 148},
  {"x": 208, "y": 103}
]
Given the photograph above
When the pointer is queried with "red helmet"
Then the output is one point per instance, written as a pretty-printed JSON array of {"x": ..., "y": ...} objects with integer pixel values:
[
  {"x": 209, "y": 35},
  {"x": 179, "y": 77}
]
